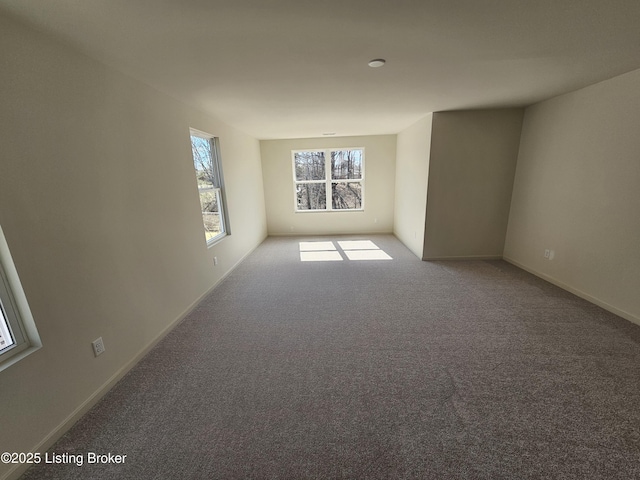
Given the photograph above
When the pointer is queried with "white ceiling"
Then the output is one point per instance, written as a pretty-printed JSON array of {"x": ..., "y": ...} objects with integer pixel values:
[{"x": 298, "y": 68}]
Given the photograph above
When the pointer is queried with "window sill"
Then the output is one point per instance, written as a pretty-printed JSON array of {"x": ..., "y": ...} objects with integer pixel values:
[
  {"x": 216, "y": 240},
  {"x": 330, "y": 211},
  {"x": 19, "y": 356}
]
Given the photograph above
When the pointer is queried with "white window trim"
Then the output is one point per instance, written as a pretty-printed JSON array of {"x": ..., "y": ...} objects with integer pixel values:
[
  {"x": 327, "y": 181},
  {"x": 16, "y": 309},
  {"x": 220, "y": 190}
]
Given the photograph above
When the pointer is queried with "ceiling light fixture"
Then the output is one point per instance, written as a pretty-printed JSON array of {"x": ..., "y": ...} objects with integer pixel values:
[{"x": 377, "y": 62}]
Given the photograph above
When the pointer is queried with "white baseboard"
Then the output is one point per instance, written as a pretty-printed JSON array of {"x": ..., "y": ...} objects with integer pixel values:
[
  {"x": 590, "y": 298},
  {"x": 464, "y": 257},
  {"x": 85, "y": 406},
  {"x": 325, "y": 234}
]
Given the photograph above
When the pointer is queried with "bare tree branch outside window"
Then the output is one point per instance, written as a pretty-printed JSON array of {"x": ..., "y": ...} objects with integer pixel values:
[
  {"x": 209, "y": 185},
  {"x": 340, "y": 182}
]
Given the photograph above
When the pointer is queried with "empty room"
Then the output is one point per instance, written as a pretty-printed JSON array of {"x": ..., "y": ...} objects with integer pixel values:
[{"x": 296, "y": 239}]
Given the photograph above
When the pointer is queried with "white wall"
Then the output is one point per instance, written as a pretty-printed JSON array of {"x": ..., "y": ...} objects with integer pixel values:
[
  {"x": 99, "y": 205},
  {"x": 380, "y": 164},
  {"x": 577, "y": 191},
  {"x": 412, "y": 173},
  {"x": 471, "y": 170}
]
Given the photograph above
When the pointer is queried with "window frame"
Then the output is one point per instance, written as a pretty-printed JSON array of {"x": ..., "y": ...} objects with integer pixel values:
[
  {"x": 16, "y": 314},
  {"x": 218, "y": 190},
  {"x": 328, "y": 181}
]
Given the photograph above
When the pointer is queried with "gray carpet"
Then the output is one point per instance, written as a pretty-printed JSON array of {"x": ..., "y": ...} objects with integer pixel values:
[{"x": 374, "y": 369}]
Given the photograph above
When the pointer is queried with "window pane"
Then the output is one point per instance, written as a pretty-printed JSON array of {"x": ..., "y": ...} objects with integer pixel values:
[
  {"x": 202, "y": 161},
  {"x": 211, "y": 216},
  {"x": 309, "y": 165},
  {"x": 346, "y": 164},
  {"x": 209, "y": 201},
  {"x": 311, "y": 196},
  {"x": 345, "y": 196},
  {"x": 6, "y": 339}
]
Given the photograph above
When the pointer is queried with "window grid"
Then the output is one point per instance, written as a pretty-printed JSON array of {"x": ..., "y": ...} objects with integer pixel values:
[
  {"x": 329, "y": 179},
  {"x": 206, "y": 161}
]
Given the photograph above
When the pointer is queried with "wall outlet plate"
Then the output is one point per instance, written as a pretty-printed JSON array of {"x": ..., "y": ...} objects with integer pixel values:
[{"x": 98, "y": 346}]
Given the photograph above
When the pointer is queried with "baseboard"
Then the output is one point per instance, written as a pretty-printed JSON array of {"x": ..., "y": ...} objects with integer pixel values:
[
  {"x": 590, "y": 298},
  {"x": 325, "y": 234},
  {"x": 463, "y": 257},
  {"x": 94, "y": 398}
]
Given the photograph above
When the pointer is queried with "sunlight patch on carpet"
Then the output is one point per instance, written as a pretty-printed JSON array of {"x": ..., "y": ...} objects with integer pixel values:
[{"x": 326, "y": 251}]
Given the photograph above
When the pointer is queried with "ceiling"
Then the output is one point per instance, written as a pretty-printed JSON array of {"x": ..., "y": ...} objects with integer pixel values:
[{"x": 298, "y": 68}]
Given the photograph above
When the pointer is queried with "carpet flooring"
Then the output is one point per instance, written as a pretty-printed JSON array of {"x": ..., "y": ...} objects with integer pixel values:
[{"x": 374, "y": 369}]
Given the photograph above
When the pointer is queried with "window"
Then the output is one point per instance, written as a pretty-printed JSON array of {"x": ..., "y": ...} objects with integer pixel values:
[
  {"x": 206, "y": 160},
  {"x": 328, "y": 180},
  {"x": 18, "y": 335}
]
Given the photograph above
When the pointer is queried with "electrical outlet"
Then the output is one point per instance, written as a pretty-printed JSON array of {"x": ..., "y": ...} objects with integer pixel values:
[
  {"x": 215, "y": 261},
  {"x": 552, "y": 254},
  {"x": 98, "y": 346},
  {"x": 547, "y": 253}
]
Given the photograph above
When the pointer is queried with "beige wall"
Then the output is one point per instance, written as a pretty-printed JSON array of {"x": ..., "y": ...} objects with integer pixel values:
[
  {"x": 99, "y": 206},
  {"x": 380, "y": 164},
  {"x": 412, "y": 172},
  {"x": 471, "y": 171},
  {"x": 577, "y": 192}
]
